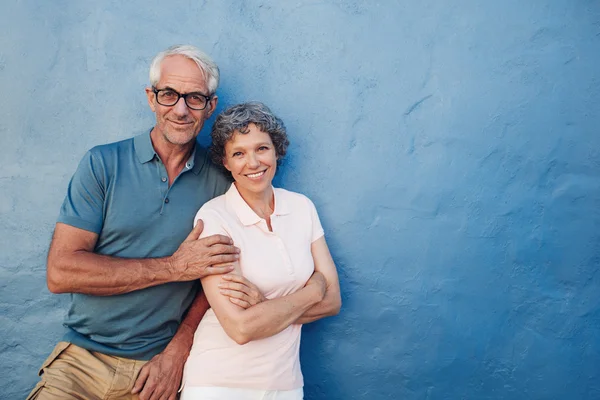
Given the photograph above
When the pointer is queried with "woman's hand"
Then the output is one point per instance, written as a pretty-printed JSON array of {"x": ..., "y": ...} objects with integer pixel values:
[
  {"x": 319, "y": 282},
  {"x": 332, "y": 301},
  {"x": 240, "y": 291}
]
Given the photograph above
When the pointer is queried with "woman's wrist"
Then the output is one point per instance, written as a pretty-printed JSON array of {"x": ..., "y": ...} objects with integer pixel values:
[{"x": 317, "y": 291}]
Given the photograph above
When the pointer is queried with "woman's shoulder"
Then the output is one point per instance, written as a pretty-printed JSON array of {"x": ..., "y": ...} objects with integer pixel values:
[
  {"x": 214, "y": 217},
  {"x": 215, "y": 206},
  {"x": 293, "y": 199}
]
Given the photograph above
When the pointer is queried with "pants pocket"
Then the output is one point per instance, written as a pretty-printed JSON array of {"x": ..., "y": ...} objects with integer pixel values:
[
  {"x": 60, "y": 347},
  {"x": 36, "y": 391}
]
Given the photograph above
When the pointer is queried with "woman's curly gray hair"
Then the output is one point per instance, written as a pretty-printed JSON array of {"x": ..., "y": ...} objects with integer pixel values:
[{"x": 237, "y": 118}]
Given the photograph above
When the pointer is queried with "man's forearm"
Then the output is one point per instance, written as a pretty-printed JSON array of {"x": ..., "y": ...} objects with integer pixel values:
[
  {"x": 73, "y": 267},
  {"x": 184, "y": 337},
  {"x": 161, "y": 376},
  {"x": 95, "y": 274}
]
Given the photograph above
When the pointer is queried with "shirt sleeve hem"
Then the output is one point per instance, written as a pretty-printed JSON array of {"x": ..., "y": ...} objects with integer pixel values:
[
  {"x": 80, "y": 223},
  {"x": 318, "y": 236}
]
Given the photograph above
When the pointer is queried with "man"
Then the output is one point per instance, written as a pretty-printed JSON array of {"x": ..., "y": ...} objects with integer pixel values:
[{"x": 122, "y": 247}]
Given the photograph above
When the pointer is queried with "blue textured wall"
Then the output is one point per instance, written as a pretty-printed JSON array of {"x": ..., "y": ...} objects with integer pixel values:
[{"x": 452, "y": 149}]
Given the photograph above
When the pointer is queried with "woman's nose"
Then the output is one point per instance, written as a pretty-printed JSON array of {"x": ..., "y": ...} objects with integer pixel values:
[{"x": 253, "y": 161}]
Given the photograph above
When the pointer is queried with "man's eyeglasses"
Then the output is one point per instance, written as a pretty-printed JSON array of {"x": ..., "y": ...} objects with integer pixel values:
[{"x": 169, "y": 97}]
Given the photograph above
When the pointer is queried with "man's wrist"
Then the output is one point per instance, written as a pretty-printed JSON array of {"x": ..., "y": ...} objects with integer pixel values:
[
  {"x": 180, "y": 345},
  {"x": 171, "y": 267}
]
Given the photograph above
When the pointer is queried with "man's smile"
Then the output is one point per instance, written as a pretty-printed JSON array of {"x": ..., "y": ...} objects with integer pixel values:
[{"x": 181, "y": 123}]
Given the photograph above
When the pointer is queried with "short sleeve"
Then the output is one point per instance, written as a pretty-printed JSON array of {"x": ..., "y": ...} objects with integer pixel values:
[
  {"x": 83, "y": 206},
  {"x": 317, "y": 229},
  {"x": 213, "y": 224}
]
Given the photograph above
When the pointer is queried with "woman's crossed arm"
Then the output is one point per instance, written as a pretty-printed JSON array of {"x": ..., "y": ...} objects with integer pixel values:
[
  {"x": 244, "y": 320},
  {"x": 266, "y": 318}
]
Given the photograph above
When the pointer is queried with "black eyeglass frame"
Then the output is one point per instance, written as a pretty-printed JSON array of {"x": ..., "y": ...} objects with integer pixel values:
[{"x": 179, "y": 95}]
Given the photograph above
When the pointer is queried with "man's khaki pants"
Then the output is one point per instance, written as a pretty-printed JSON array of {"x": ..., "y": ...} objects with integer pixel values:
[{"x": 75, "y": 373}]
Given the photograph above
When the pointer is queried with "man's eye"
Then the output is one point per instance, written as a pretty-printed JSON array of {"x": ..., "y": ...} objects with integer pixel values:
[
  {"x": 196, "y": 98},
  {"x": 168, "y": 94}
]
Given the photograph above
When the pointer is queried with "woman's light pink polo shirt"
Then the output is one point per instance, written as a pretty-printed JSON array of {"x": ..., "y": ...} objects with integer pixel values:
[{"x": 279, "y": 263}]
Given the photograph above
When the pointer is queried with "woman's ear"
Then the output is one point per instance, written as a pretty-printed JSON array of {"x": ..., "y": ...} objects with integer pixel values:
[{"x": 226, "y": 164}]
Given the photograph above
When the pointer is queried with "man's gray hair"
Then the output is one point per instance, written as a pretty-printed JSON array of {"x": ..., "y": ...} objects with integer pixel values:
[
  {"x": 237, "y": 118},
  {"x": 204, "y": 62}
]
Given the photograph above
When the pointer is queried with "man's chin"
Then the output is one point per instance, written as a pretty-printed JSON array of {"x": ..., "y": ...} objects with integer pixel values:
[{"x": 181, "y": 138}]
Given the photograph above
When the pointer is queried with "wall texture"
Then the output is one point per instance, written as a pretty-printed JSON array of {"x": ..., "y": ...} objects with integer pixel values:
[{"x": 452, "y": 149}]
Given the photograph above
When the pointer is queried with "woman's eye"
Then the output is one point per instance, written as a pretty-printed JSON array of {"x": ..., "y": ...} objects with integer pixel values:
[
  {"x": 237, "y": 154},
  {"x": 263, "y": 148}
]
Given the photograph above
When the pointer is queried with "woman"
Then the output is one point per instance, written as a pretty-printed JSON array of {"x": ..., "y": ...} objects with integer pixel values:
[{"x": 253, "y": 353}]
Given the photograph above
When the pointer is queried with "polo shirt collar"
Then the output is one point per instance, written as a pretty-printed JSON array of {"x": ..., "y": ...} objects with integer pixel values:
[
  {"x": 246, "y": 215},
  {"x": 143, "y": 147},
  {"x": 145, "y": 152},
  {"x": 197, "y": 159}
]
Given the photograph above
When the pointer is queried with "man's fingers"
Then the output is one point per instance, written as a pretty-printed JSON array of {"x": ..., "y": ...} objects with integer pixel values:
[
  {"x": 168, "y": 394},
  {"x": 236, "y": 278},
  {"x": 223, "y": 259},
  {"x": 159, "y": 391},
  {"x": 148, "y": 391},
  {"x": 221, "y": 265},
  {"x": 216, "y": 239},
  {"x": 225, "y": 269},
  {"x": 219, "y": 248},
  {"x": 195, "y": 233},
  {"x": 141, "y": 380}
]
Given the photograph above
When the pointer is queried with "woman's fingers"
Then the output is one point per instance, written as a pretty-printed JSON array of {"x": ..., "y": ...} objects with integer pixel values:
[
  {"x": 247, "y": 291},
  {"x": 235, "y": 287},
  {"x": 241, "y": 303}
]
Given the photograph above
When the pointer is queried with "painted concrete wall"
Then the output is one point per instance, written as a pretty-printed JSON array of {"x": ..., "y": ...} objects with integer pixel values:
[{"x": 452, "y": 149}]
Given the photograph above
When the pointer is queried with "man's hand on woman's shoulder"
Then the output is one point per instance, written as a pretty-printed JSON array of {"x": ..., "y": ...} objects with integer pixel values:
[{"x": 197, "y": 258}]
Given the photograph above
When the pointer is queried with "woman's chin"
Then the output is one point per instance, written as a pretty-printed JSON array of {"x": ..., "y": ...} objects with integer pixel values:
[{"x": 250, "y": 186}]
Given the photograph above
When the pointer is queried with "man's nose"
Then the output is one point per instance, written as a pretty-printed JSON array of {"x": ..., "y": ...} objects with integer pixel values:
[{"x": 181, "y": 108}]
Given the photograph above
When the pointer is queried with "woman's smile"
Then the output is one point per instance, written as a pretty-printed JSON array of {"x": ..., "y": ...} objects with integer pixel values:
[{"x": 256, "y": 175}]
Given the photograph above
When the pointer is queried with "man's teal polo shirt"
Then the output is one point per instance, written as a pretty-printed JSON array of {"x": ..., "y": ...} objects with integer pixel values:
[{"x": 121, "y": 192}]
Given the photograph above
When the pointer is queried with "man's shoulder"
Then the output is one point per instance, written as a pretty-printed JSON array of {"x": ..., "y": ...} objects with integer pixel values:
[
  {"x": 213, "y": 176},
  {"x": 112, "y": 148},
  {"x": 202, "y": 158}
]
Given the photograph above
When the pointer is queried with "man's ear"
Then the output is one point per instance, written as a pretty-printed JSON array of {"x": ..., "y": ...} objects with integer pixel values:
[
  {"x": 212, "y": 104},
  {"x": 151, "y": 97}
]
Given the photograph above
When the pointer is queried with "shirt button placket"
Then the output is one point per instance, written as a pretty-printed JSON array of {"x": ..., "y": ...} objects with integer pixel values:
[
  {"x": 285, "y": 255},
  {"x": 164, "y": 179},
  {"x": 164, "y": 186}
]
